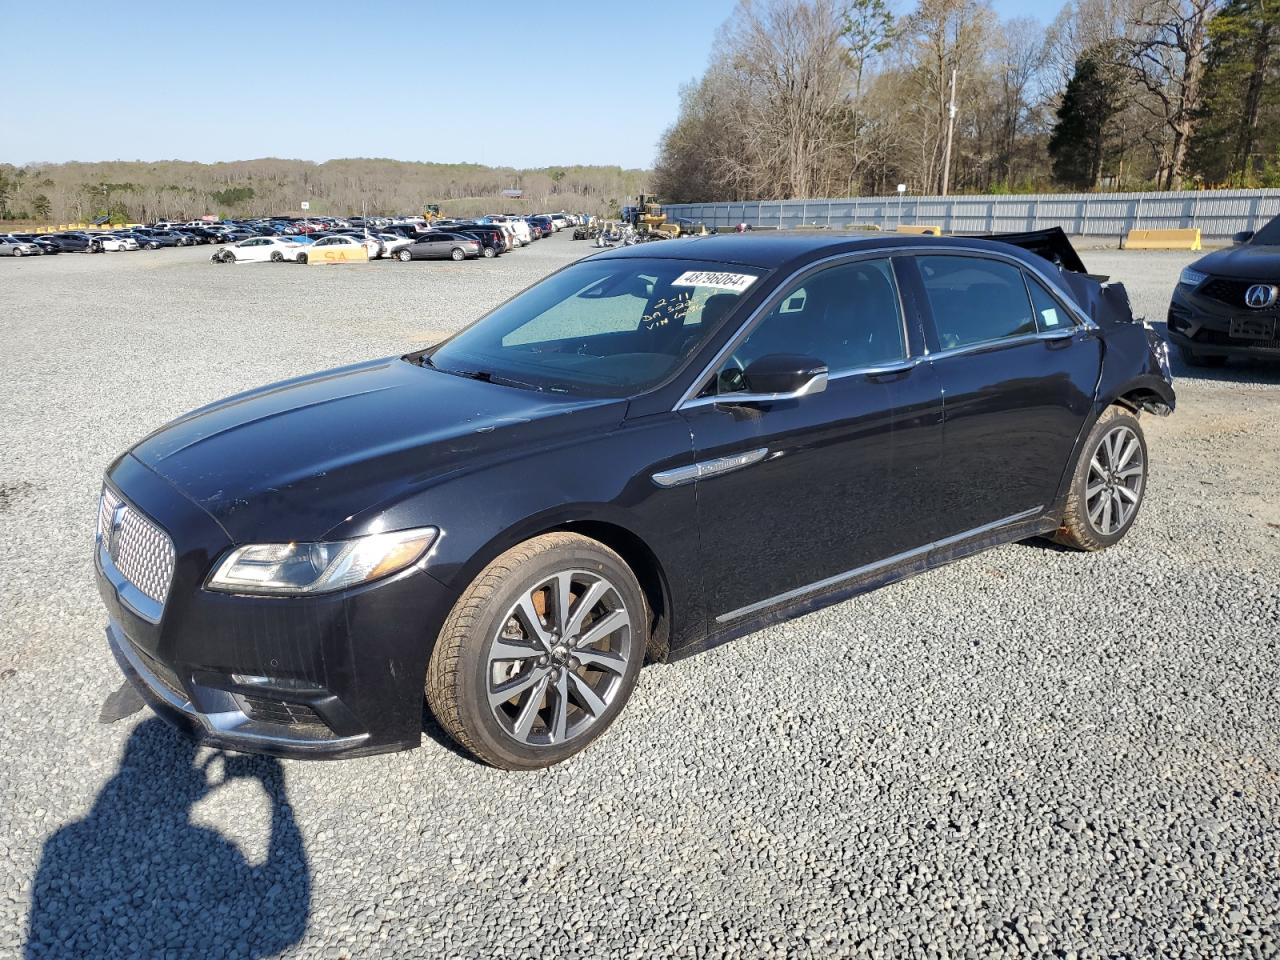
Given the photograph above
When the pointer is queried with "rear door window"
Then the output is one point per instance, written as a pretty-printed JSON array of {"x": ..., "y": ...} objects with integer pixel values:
[{"x": 975, "y": 300}]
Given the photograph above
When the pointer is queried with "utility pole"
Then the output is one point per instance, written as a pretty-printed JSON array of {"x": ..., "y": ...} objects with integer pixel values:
[{"x": 951, "y": 126}]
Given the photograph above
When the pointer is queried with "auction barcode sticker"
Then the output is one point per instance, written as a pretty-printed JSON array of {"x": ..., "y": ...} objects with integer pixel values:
[{"x": 708, "y": 278}]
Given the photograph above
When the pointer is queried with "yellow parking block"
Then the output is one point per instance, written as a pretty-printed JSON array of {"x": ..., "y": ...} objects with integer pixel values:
[
  {"x": 1185, "y": 239},
  {"x": 340, "y": 254},
  {"x": 919, "y": 229}
]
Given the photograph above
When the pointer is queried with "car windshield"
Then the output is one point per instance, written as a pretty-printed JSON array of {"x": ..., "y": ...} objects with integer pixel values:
[
  {"x": 1269, "y": 235},
  {"x": 600, "y": 328}
]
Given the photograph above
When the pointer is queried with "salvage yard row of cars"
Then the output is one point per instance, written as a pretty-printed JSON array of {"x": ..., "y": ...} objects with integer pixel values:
[{"x": 289, "y": 239}]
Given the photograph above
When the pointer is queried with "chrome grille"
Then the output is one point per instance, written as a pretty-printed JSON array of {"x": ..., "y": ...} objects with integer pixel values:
[{"x": 141, "y": 551}]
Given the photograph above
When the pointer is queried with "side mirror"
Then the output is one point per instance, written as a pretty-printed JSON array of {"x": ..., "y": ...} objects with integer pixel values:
[
  {"x": 1244, "y": 236},
  {"x": 780, "y": 376}
]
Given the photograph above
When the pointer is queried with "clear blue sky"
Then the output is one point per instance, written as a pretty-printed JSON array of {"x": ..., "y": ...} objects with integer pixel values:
[{"x": 412, "y": 80}]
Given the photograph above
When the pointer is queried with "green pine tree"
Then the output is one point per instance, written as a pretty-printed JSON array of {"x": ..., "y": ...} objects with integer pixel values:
[
  {"x": 1078, "y": 143},
  {"x": 1238, "y": 124}
]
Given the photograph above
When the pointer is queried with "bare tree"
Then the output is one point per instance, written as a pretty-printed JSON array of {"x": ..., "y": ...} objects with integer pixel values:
[{"x": 1169, "y": 49}]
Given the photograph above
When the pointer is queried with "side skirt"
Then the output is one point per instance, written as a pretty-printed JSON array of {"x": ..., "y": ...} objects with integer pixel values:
[{"x": 1024, "y": 530}]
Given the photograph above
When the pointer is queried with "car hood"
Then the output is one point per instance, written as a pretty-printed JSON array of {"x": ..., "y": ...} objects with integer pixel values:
[
  {"x": 294, "y": 460},
  {"x": 1247, "y": 262}
]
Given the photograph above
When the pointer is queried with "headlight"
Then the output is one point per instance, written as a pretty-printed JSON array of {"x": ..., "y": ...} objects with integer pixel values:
[
  {"x": 307, "y": 568},
  {"x": 1192, "y": 278}
]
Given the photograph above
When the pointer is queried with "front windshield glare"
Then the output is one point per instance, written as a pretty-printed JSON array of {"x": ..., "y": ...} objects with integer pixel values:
[{"x": 600, "y": 328}]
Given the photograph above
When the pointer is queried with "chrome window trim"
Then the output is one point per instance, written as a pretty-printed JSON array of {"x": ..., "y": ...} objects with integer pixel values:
[
  {"x": 753, "y": 319},
  {"x": 876, "y": 565},
  {"x": 690, "y": 399}
]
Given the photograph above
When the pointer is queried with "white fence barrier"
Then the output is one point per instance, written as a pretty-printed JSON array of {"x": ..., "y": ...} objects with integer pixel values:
[{"x": 1218, "y": 213}]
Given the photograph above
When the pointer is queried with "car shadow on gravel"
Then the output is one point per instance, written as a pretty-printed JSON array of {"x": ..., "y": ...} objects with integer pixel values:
[{"x": 137, "y": 878}]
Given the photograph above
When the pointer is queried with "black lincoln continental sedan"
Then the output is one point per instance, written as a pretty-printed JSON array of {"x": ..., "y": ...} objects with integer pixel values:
[
  {"x": 650, "y": 452},
  {"x": 1227, "y": 304}
]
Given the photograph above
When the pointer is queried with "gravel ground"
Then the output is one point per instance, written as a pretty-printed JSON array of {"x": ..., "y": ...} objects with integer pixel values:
[{"x": 1029, "y": 752}]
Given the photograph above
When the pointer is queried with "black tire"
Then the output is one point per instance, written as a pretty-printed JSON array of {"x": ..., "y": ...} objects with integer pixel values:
[
  {"x": 458, "y": 675},
  {"x": 457, "y": 253},
  {"x": 1078, "y": 529},
  {"x": 277, "y": 256},
  {"x": 404, "y": 256},
  {"x": 228, "y": 256},
  {"x": 1193, "y": 359},
  {"x": 302, "y": 258},
  {"x": 489, "y": 253},
  {"x": 18, "y": 252},
  {"x": 153, "y": 246}
]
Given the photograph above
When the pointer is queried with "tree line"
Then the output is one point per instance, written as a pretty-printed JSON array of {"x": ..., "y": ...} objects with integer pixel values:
[
  {"x": 136, "y": 191},
  {"x": 818, "y": 98}
]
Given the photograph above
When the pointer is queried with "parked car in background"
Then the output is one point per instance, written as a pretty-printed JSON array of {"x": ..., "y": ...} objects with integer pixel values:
[
  {"x": 392, "y": 242},
  {"x": 145, "y": 241},
  {"x": 41, "y": 240},
  {"x": 492, "y": 237},
  {"x": 440, "y": 245},
  {"x": 261, "y": 250},
  {"x": 12, "y": 247},
  {"x": 72, "y": 242},
  {"x": 165, "y": 238},
  {"x": 113, "y": 242},
  {"x": 1227, "y": 304}
]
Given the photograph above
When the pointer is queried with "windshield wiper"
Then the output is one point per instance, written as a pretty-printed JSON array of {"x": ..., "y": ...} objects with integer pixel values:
[{"x": 485, "y": 376}]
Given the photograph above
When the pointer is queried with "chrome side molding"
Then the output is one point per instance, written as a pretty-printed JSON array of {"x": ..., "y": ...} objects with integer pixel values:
[{"x": 705, "y": 469}]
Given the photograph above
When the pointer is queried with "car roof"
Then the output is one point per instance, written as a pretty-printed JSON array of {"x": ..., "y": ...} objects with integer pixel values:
[{"x": 768, "y": 250}]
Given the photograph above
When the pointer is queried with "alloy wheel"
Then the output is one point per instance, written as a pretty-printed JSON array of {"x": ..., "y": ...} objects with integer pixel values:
[
  {"x": 558, "y": 658},
  {"x": 1113, "y": 487}
]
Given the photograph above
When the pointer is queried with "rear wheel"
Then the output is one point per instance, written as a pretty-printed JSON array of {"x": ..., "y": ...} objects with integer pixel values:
[
  {"x": 404, "y": 256},
  {"x": 1193, "y": 359},
  {"x": 1108, "y": 485},
  {"x": 489, "y": 253},
  {"x": 540, "y": 653},
  {"x": 457, "y": 254}
]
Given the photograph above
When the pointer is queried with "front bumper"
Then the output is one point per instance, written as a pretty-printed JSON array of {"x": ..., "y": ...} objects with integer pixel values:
[
  {"x": 328, "y": 676},
  {"x": 1203, "y": 325},
  {"x": 220, "y": 716}
]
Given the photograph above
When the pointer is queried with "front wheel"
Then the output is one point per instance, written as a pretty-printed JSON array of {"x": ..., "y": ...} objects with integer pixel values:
[
  {"x": 540, "y": 653},
  {"x": 277, "y": 256},
  {"x": 1108, "y": 485},
  {"x": 457, "y": 254},
  {"x": 19, "y": 252},
  {"x": 302, "y": 258}
]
